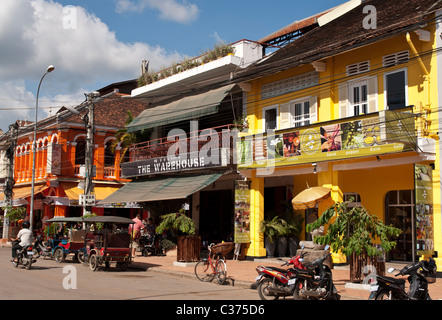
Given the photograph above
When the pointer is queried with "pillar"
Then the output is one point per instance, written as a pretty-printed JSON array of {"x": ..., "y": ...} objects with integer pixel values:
[{"x": 256, "y": 247}]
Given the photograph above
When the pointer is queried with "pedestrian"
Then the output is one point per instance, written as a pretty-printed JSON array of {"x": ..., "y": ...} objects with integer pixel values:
[
  {"x": 136, "y": 233},
  {"x": 25, "y": 237}
]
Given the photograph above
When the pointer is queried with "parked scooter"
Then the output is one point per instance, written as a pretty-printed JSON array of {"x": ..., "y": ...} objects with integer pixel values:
[
  {"x": 25, "y": 256},
  {"x": 315, "y": 281},
  {"x": 420, "y": 274},
  {"x": 273, "y": 282},
  {"x": 42, "y": 249}
]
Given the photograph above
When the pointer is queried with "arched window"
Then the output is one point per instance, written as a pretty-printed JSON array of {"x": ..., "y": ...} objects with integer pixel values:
[
  {"x": 109, "y": 156},
  {"x": 80, "y": 151}
]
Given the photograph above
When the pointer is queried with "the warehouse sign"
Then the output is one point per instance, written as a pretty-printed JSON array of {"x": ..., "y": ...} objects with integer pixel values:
[
  {"x": 184, "y": 162},
  {"x": 385, "y": 132}
]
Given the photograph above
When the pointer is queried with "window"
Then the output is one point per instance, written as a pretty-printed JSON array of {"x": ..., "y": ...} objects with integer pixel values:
[
  {"x": 295, "y": 83},
  {"x": 270, "y": 116},
  {"x": 395, "y": 58},
  {"x": 298, "y": 113},
  {"x": 358, "y": 68},
  {"x": 395, "y": 89},
  {"x": 80, "y": 151},
  {"x": 358, "y": 98},
  {"x": 109, "y": 156}
]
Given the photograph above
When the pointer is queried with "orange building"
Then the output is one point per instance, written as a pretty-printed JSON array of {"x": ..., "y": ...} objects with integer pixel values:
[{"x": 60, "y": 157}]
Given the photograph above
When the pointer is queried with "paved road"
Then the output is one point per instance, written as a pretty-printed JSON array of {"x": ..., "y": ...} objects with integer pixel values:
[{"x": 48, "y": 279}]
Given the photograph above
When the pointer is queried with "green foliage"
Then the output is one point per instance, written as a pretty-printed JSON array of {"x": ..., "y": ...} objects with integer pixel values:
[
  {"x": 354, "y": 230},
  {"x": 167, "y": 244},
  {"x": 273, "y": 228},
  {"x": 178, "y": 222},
  {"x": 15, "y": 213}
]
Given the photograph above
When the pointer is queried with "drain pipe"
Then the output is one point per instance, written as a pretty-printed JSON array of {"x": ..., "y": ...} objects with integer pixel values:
[{"x": 425, "y": 110}]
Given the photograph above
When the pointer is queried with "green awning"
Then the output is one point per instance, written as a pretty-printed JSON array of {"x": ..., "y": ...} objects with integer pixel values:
[
  {"x": 187, "y": 108},
  {"x": 161, "y": 189}
]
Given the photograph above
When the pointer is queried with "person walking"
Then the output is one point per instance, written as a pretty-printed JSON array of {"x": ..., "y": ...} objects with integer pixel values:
[{"x": 136, "y": 233}]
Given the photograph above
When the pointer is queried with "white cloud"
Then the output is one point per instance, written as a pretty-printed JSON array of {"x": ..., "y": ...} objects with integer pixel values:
[
  {"x": 181, "y": 12},
  {"x": 37, "y": 33}
]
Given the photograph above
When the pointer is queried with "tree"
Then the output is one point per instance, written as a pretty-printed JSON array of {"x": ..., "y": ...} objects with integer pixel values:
[
  {"x": 354, "y": 230},
  {"x": 126, "y": 139}
]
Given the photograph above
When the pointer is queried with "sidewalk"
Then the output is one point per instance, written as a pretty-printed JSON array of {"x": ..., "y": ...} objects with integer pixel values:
[{"x": 243, "y": 274}]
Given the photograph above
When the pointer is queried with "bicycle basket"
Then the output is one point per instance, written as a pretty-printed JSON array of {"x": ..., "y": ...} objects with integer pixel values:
[{"x": 223, "y": 248}]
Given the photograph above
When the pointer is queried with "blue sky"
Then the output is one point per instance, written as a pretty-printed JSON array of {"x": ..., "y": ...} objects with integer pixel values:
[{"x": 97, "y": 42}]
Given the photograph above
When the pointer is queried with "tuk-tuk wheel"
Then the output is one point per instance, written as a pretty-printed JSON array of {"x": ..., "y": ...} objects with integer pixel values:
[
  {"x": 122, "y": 266},
  {"x": 59, "y": 255},
  {"x": 93, "y": 262}
]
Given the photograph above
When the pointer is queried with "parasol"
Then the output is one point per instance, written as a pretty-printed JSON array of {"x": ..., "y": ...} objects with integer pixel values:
[{"x": 310, "y": 197}]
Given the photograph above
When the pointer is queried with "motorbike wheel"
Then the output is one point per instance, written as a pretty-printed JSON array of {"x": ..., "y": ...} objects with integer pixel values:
[
  {"x": 384, "y": 295},
  {"x": 145, "y": 252},
  {"x": 59, "y": 255},
  {"x": 263, "y": 291},
  {"x": 296, "y": 296},
  {"x": 81, "y": 257},
  {"x": 29, "y": 263}
]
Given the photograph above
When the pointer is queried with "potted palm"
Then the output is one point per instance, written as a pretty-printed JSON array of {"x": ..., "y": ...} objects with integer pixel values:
[
  {"x": 271, "y": 228},
  {"x": 188, "y": 244}
]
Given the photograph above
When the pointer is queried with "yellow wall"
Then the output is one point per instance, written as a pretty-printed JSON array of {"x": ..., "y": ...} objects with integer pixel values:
[{"x": 372, "y": 184}]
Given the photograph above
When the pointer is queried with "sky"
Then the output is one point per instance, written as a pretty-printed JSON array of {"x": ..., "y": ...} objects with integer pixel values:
[{"x": 95, "y": 43}]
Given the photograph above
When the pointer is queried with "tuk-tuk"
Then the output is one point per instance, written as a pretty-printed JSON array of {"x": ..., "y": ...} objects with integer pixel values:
[
  {"x": 109, "y": 241},
  {"x": 67, "y": 240}
]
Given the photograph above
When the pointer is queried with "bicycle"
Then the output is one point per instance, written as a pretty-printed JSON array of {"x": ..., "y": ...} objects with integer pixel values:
[{"x": 207, "y": 269}]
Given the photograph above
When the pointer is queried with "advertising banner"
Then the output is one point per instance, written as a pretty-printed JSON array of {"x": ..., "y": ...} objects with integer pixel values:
[
  {"x": 361, "y": 137},
  {"x": 423, "y": 186},
  {"x": 242, "y": 212},
  {"x": 54, "y": 159}
]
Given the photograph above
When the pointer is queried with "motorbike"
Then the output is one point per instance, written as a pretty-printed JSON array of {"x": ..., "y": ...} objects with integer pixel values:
[
  {"x": 315, "y": 281},
  {"x": 25, "y": 256},
  {"x": 420, "y": 274},
  {"x": 42, "y": 249},
  {"x": 273, "y": 282}
]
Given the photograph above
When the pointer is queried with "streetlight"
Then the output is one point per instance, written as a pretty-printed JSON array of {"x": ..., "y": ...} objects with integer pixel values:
[{"x": 34, "y": 149}]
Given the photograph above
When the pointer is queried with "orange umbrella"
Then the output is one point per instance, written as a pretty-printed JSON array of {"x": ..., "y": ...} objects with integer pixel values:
[{"x": 310, "y": 197}]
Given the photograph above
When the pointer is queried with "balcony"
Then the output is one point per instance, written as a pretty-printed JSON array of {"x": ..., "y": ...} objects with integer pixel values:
[{"x": 212, "y": 147}]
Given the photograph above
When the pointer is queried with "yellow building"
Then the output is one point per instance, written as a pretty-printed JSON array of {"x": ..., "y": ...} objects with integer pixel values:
[{"x": 353, "y": 106}]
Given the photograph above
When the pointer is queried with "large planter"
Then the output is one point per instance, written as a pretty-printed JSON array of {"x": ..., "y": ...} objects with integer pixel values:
[
  {"x": 362, "y": 265},
  {"x": 188, "y": 248},
  {"x": 293, "y": 246},
  {"x": 281, "y": 245},
  {"x": 270, "y": 247}
]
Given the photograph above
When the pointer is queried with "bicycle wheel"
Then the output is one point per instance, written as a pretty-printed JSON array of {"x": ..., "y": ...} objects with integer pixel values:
[
  {"x": 221, "y": 271},
  {"x": 203, "y": 271}
]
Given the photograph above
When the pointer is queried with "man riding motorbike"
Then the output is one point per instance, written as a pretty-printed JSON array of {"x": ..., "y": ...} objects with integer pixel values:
[{"x": 25, "y": 237}]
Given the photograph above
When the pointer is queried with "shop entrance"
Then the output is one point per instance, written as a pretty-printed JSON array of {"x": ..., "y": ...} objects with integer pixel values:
[
  {"x": 399, "y": 212},
  {"x": 216, "y": 215}
]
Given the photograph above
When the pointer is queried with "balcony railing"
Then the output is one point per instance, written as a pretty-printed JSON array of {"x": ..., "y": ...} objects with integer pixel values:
[{"x": 193, "y": 142}]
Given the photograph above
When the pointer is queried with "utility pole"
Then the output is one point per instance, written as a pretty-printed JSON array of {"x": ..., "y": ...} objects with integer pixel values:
[
  {"x": 89, "y": 154},
  {"x": 9, "y": 181}
]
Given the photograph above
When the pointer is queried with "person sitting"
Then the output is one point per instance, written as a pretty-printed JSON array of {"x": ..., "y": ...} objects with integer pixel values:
[{"x": 25, "y": 237}]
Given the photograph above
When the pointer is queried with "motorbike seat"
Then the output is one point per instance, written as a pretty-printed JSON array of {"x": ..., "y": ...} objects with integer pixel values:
[
  {"x": 279, "y": 269},
  {"x": 391, "y": 280}
]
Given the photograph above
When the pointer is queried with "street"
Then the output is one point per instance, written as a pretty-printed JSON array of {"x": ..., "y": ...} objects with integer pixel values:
[{"x": 49, "y": 280}]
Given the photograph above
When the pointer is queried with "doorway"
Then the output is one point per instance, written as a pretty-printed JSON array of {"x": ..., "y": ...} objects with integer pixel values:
[
  {"x": 216, "y": 215},
  {"x": 399, "y": 212}
]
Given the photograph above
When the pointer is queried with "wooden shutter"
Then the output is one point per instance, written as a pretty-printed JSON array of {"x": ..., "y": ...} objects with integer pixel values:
[
  {"x": 372, "y": 91},
  {"x": 285, "y": 116},
  {"x": 343, "y": 100},
  {"x": 313, "y": 109}
]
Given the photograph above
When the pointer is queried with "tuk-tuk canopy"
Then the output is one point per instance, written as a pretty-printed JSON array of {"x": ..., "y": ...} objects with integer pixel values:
[
  {"x": 66, "y": 219},
  {"x": 109, "y": 219}
]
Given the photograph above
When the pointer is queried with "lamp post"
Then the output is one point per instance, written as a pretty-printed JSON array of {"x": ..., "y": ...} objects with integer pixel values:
[{"x": 34, "y": 149}]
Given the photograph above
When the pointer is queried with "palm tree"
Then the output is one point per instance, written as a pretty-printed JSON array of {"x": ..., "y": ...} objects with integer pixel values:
[{"x": 126, "y": 139}]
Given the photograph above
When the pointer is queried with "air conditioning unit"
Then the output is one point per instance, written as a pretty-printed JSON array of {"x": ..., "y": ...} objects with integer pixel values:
[{"x": 87, "y": 199}]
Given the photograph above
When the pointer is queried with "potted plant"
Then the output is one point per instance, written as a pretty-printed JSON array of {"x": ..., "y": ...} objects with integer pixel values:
[
  {"x": 271, "y": 229},
  {"x": 188, "y": 244},
  {"x": 354, "y": 232}
]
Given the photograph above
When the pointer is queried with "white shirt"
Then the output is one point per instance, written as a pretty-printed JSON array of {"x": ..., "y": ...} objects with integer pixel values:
[{"x": 25, "y": 236}]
